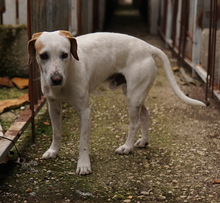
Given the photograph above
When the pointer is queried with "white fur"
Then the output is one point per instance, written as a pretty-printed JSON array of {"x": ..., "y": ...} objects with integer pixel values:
[{"x": 100, "y": 56}]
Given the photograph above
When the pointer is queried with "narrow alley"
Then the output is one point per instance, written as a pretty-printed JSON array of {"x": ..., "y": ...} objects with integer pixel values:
[{"x": 180, "y": 164}]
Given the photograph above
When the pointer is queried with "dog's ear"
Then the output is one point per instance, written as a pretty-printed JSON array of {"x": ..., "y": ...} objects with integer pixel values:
[
  {"x": 31, "y": 47},
  {"x": 73, "y": 43}
]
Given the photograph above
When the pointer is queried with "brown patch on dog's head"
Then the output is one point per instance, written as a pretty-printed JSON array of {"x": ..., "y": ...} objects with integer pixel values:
[
  {"x": 31, "y": 46},
  {"x": 38, "y": 46},
  {"x": 66, "y": 34},
  {"x": 73, "y": 43}
]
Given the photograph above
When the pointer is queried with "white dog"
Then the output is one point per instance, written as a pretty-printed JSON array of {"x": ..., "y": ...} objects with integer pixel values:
[{"x": 73, "y": 67}]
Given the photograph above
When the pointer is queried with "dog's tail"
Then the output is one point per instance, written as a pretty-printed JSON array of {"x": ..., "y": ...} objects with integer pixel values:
[{"x": 171, "y": 79}]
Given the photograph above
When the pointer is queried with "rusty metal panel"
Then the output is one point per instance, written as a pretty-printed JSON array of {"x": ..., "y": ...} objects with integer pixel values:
[
  {"x": 49, "y": 15},
  {"x": 85, "y": 15}
]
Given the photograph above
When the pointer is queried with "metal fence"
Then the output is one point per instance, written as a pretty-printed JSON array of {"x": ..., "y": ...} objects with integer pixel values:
[{"x": 191, "y": 28}]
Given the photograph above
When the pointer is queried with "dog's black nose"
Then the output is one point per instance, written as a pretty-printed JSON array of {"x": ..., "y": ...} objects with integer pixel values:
[{"x": 56, "y": 79}]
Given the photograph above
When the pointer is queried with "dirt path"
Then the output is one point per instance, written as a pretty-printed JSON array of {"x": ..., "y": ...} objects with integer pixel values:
[{"x": 179, "y": 165}]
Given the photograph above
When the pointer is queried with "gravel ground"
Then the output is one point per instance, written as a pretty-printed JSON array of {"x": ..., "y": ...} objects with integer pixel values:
[{"x": 179, "y": 165}]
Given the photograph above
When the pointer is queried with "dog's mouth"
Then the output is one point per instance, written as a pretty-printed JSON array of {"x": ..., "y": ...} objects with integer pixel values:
[{"x": 56, "y": 79}]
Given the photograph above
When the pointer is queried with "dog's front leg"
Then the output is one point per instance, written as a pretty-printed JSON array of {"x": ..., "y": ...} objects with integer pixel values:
[
  {"x": 84, "y": 165},
  {"x": 55, "y": 111}
]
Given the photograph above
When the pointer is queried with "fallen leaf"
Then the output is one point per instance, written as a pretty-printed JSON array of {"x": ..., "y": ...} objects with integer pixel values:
[
  {"x": 175, "y": 68},
  {"x": 216, "y": 181},
  {"x": 46, "y": 123},
  {"x": 21, "y": 83},
  {"x": 24, "y": 97},
  {"x": 13, "y": 103},
  {"x": 5, "y": 81},
  {"x": 29, "y": 190}
]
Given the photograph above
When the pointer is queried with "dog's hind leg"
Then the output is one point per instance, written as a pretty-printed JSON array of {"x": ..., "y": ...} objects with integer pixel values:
[
  {"x": 135, "y": 103},
  {"x": 136, "y": 90},
  {"x": 144, "y": 119},
  {"x": 134, "y": 115}
]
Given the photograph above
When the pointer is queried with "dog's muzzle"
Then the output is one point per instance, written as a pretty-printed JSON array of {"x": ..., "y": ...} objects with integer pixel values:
[{"x": 56, "y": 79}]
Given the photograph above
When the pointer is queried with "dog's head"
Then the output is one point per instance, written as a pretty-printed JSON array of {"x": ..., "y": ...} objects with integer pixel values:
[{"x": 53, "y": 51}]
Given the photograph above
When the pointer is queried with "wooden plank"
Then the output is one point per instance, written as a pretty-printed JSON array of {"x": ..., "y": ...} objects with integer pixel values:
[
  {"x": 17, "y": 128},
  {"x": 14, "y": 132},
  {"x": 1, "y": 130}
]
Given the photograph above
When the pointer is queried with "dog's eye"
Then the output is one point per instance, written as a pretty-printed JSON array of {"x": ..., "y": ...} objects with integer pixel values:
[
  {"x": 44, "y": 56},
  {"x": 64, "y": 55}
]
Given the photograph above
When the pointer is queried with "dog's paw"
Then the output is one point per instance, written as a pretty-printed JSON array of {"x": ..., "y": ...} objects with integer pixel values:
[
  {"x": 50, "y": 154},
  {"x": 83, "y": 170},
  {"x": 124, "y": 149},
  {"x": 83, "y": 167},
  {"x": 141, "y": 143}
]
